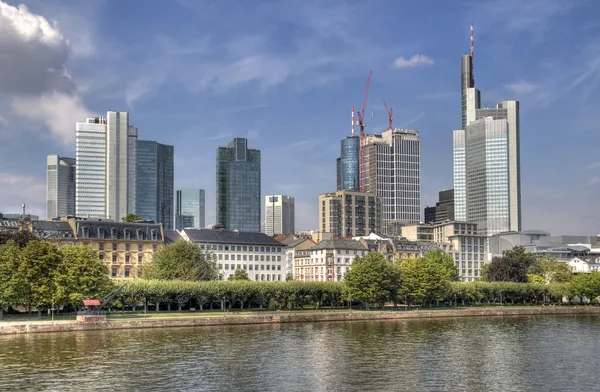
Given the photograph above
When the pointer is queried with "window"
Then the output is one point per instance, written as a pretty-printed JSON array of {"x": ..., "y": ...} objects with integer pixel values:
[
  {"x": 127, "y": 272},
  {"x": 101, "y": 256},
  {"x": 262, "y": 248},
  {"x": 220, "y": 266},
  {"x": 113, "y": 233},
  {"x": 267, "y": 249},
  {"x": 140, "y": 258},
  {"x": 220, "y": 256},
  {"x": 245, "y": 248},
  {"x": 113, "y": 272},
  {"x": 250, "y": 258},
  {"x": 101, "y": 246},
  {"x": 127, "y": 246},
  {"x": 268, "y": 267},
  {"x": 279, "y": 268},
  {"x": 245, "y": 257},
  {"x": 226, "y": 257},
  {"x": 86, "y": 232},
  {"x": 238, "y": 266},
  {"x": 139, "y": 235},
  {"x": 220, "y": 247},
  {"x": 262, "y": 258},
  {"x": 245, "y": 267},
  {"x": 251, "y": 248},
  {"x": 140, "y": 247},
  {"x": 232, "y": 266},
  {"x": 126, "y": 234},
  {"x": 114, "y": 246},
  {"x": 239, "y": 248},
  {"x": 153, "y": 234},
  {"x": 126, "y": 259},
  {"x": 278, "y": 258},
  {"x": 100, "y": 232},
  {"x": 250, "y": 267},
  {"x": 268, "y": 258},
  {"x": 262, "y": 267},
  {"x": 114, "y": 258},
  {"x": 239, "y": 257},
  {"x": 154, "y": 247},
  {"x": 226, "y": 266},
  {"x": 226, "y": 247}
]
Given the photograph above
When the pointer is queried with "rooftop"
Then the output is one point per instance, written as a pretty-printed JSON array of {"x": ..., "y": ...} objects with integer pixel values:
[
  {"x": 230, "y": 237},
  {"x": 339, "y": 244}
]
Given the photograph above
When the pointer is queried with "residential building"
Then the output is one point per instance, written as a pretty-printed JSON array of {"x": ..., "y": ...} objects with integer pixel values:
[
  {"x": 60, "y": 186},
  {"x": 329, "y": 260},
  {"x": 155, "y": 182},
  {"x": 348, "y": 164},
  {"x": 279, "y": 215},
  {"x": 261, "y": 256},
  {"x": 417, "y": 232},
  {"x": 443, "y": 210},
  {"x": 392, "y": 173},
  {"x": 398, "y": 248},
  {"x": 297, "y": 254},
  {"x": 315, "y": 236},
  {"x": 349, "y": 213},
  {"x": 105, "y": 174},
  {"x": 468, "y": 247},
  {"x": 584, "y": 265},
  {"x": 190, "y": 209},
  {"x": 238, "y": 187}
]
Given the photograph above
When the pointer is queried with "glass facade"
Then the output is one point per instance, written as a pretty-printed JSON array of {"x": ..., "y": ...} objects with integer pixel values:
[
  {"x": 155, "y": 182},
  {"x": 348, "y": 165},
  {"x": 60, "y": 186},
  {"x": 279, "y": 214},
  {"x": 238, "y": 187},
  {"x": 90, "y": 171},
  {"x": 189, "y": 211}
]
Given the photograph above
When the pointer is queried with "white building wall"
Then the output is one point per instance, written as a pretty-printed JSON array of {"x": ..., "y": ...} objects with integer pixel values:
[
  {"x": 90, "y": 171},
  {"x": 266, "y": 263},
  {"x": 279, "y": 214}
]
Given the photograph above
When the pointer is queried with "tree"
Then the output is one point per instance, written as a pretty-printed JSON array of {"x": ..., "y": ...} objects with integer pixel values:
[
  {"x": 82, "y": 275},
  {"x": 551, "y": 270},
  {"x": 371, "y": 280},
  {"x": 182, "y": 260},
  {"x": 21, "y": 237},
  {"x": 511, "y": 267},
  {"x": 131, "y": 217},
  {"x": 9, "y": 262},
  {"x": 35, "y": 277},
  {"x": 239, "y": 274},
  {"x": 587, "y": 285},
  {"x": 424, "y": 279},
  {"x": 438, "y": 256}
]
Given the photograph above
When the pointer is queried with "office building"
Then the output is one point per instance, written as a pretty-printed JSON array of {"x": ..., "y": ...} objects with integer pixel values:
[
  {"x": 190, "y": 209},
  {"x": 155, "y": 182},
  {"x": 60, "y": 186},
  {"x": 492, "y": 137},
  {"x": 443, "y": 210},
  {"x": 348, "y": 164},
  {"x": 262, "y": 257},
  {"x": 105, "y": 174},
  {"x": 279, "y": 215},
  {"x": 392, "y": 173},
  {"x": 238, "y": 187},
  {"x": 349, "y": 213}
]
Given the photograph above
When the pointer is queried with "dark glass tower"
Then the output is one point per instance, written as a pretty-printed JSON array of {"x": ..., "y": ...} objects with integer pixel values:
[
  {"x": 348, "y": 164},
  {"x": 238, "y": 186},
  {"x": 155, "y": 182}
]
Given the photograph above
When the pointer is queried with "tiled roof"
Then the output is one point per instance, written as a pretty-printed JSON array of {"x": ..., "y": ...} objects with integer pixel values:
[
  {"x": 171, "y": 236},
  {"x": 103, "y": 229},
  {"x": 53, "y": 229},
  {"x": 339, "y": 244},
  {"x": 230, "y": 237}
]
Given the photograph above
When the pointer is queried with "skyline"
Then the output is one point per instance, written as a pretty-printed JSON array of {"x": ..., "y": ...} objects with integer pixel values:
[{"x": 287, "y": 82}]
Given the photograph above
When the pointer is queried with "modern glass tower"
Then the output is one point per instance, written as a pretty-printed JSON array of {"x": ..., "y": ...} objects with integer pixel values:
[
  {"x": 348, "y": 167},
  {"x": 189, "y": 211},
  {"x": 238, "y": 187},
  {"x": 90, "y": 171},
  {"x": 155, "y": 182},
  {"x": 280, "y": 215},
  {"x": 60, "y": 186}
]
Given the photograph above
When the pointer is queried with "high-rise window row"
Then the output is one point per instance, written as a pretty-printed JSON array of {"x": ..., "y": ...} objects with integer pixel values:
[{"x": 190, "y": 209}]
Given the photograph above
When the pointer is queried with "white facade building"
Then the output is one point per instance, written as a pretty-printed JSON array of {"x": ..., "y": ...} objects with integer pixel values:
[
  {"x": 262, "y": 257},
  {"x": 329, "y": 260},
  {"x": 584, "y": 265},
  {"x": 280, "y": 215},
  {"x": 60, "y": 186},
  {"x": 90, "y": 171}
]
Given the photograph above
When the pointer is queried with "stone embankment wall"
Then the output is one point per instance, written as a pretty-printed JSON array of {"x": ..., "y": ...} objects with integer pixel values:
[{"x": 282, "y": 318}]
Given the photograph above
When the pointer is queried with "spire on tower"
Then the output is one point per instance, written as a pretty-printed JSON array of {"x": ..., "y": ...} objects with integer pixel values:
[{"x": 472, "y": 41}]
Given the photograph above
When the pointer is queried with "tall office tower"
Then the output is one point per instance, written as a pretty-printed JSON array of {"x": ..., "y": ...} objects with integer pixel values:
[
  {"x": 121, "y": 146},
  {"x": 60, "y": 186},
  {"x": 90, "y": 170},
  {"x": 155, "y": 182},
  {"x": 279, "y": 215},
  {"x": 443, "y": 211},
  {"x": 348, "y": 166},
  {"x": 460, "y": 180},
  {"x": 189, "y": 211},
  {"x": 349, "y": 213},
  {"x": 393, "y": 174},
  {"x": 238, "y": 187}
]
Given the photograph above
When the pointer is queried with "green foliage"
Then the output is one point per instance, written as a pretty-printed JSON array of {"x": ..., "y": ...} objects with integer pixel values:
[
  {"x": 510, "y": 293},
  {"x": 371, "y": 280},
  {"x": 21, "y": 237},
  {"x": 587, "y": 285},
  {"x": 439, "y": 257},
  {"x": 183, "y": 260},
  {"x": 426, "y": 279},
  {"x": 131, "y": 217},
  {"x": 513, "y": 266},
  {"x": 533, "y": 278},
  {"x": 9, "y": 263},
  {"x": 550, "y": 270},
  {"x": 81, "y": 275},
  {"x": 239, "y": 275}
]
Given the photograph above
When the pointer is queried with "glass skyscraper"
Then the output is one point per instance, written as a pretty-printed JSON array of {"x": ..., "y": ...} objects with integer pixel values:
[
  {"x": 155, "y": 182},
  {"x": 189, "y": 211},
  {"x": 90, "y": 171},
  {"x": 60, "y": 186},
  {"x": 348, "y": 164},
  {"x": 238, "y": 186}
]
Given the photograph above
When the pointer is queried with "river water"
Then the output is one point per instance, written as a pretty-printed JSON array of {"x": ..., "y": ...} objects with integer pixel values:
[{"x": 541, "y": 353}]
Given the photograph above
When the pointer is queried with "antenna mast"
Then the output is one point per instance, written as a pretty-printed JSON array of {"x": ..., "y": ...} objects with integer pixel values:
[
  {"x": 472, "y": 42},
  {"x": 352, "y": 120}
]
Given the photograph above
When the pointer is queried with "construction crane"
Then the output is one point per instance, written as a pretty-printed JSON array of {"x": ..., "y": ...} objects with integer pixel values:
[
  {"x": 390, "y": 114},
  {"x": 361, "y": 124}
]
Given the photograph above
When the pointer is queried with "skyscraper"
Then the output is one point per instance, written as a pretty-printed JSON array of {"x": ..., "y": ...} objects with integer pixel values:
[
  {"x": 155, "y": 182},
  {"x": 105, "y": 173},
  {"x": 486, "y": 160},
  {"x": 189, "y": 211},
  {"x": 60, "y": 186},
  {"x": 238, "y": 186},
  {"x": 393, "y": 174},
  {"x": 280, "y": 215},
  {"x": 348, "y": 164},
  {"x": 349, "y": 213}
]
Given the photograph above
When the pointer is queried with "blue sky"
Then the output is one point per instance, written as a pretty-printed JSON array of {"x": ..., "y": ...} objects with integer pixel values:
[{"x": 285, "y": 74}]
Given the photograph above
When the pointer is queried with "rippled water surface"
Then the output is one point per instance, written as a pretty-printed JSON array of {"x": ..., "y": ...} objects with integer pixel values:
[{"x": 475, "y": 354}]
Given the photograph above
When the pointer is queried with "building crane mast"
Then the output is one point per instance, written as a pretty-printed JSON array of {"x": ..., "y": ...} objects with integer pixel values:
[
  {"x": 390, "y": 114},
  {"x": 361, "y": 124}
]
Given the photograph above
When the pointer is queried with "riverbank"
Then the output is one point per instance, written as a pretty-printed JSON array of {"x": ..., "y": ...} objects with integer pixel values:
[{"x": 283, "y": 318}]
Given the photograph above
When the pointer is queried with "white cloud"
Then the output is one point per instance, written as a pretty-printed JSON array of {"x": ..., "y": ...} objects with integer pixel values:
[
  {"x": 57, "y": 111},
  {"x": 522, "y": 87},
  {"x": 18, "y": 189},
  {"x": 416, "y": 60},
  {"x": 34, "y": 74}
]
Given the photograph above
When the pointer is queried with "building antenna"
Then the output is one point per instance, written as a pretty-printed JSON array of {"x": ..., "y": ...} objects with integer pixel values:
[
  {"x": 472, "y": 42},
  {"x": 352, "y": 120}
]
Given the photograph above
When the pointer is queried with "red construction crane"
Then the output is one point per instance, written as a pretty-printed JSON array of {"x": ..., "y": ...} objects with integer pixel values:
[
  {"x": 390, "y": 113},
  {"x": 361, "y": 124}
]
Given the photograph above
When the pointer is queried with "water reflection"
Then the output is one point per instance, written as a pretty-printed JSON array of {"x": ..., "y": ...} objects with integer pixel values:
[{"x": 493, "y": 354}]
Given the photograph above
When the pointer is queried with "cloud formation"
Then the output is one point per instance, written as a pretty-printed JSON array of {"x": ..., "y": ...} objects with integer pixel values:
[
  {"x": 416, "y": 60},
  {"x": 34, "y": 74}
]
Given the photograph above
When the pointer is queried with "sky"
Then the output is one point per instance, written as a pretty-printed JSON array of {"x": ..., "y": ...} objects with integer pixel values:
[{"x": 285, "y": 74}]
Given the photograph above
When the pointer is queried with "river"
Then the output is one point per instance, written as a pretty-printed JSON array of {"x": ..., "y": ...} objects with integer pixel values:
[{"x": 536, "y": 353}]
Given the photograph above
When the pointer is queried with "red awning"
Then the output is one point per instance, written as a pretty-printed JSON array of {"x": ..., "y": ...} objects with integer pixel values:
[{"x": 91, "y": 302}]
